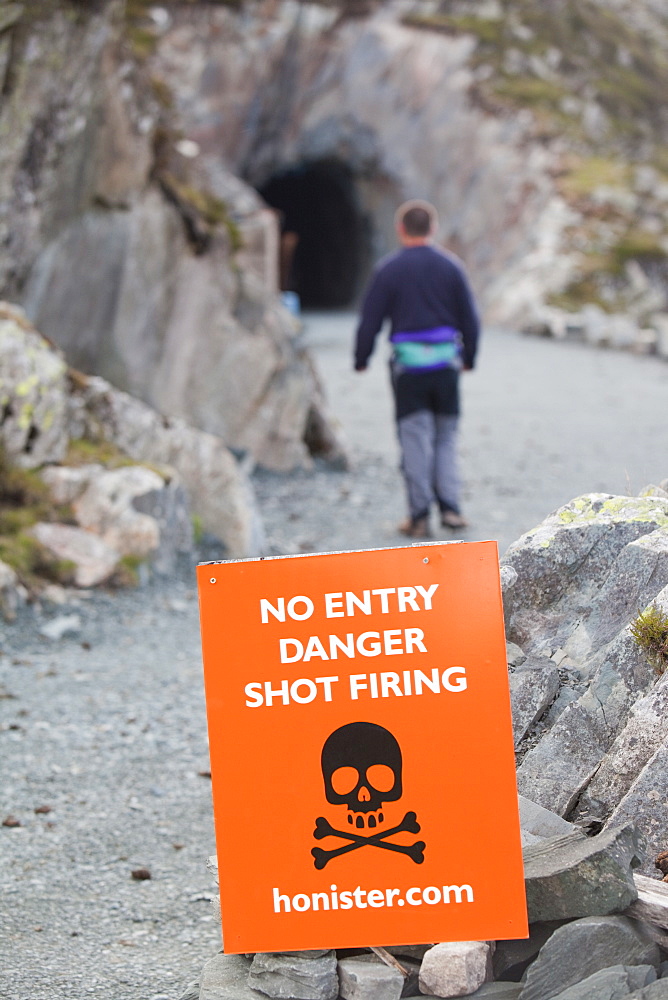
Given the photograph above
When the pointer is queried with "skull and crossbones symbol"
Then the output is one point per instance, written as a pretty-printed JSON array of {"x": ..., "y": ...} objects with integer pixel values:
[{"x": 362, "y": 768}]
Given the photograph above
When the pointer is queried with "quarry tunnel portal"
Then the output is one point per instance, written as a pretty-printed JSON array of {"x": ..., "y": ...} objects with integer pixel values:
[{"x": 325, "y": 235}]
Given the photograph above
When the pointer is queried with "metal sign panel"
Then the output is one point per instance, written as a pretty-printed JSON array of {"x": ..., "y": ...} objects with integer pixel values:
[{"x": 361, "y": 749}]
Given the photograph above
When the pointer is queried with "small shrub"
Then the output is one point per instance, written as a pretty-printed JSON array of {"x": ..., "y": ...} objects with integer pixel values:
[{"x": 650, "y": 633}]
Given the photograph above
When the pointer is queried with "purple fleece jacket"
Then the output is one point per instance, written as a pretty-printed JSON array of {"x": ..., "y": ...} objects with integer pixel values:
[{"x": 417, "y": 288}]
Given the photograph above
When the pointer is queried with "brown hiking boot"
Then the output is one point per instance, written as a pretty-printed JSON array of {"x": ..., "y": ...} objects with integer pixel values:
[
  {"x": 451, "y": 519},
  {"x": 415, "y": 529}
]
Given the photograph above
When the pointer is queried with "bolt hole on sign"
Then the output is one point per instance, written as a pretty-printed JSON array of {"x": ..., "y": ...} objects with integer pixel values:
[{"x": 361, "y": 749}]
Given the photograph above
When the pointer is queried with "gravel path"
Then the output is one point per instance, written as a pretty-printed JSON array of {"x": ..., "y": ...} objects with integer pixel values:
[
  {"x": 107, "y": 729},
  {"x": 543, "y": 423}
]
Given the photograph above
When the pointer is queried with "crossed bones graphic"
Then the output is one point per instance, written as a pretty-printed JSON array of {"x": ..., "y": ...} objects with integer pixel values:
[{"x": 324, "y": 829}]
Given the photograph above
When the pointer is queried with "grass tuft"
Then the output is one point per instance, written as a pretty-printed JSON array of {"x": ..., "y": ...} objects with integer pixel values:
[{"x": 650, "y": 633}]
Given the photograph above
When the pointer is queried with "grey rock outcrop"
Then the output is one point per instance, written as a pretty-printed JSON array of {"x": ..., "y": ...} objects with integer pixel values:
[
  {"x": 581, "y": 948},
  {"x": 571, "y": 588},
  {"x": 575, "y": 876},
  {"x": 574, "y": 581},
  {"x": 164, "y": 325},
  {"x": 45, "y": 406},
  {"x": 644, "y": 734},
  {"x": 533, "y": 687},
  {"x": 369, "y": 92},
  {"x": 646, "y": 803}
]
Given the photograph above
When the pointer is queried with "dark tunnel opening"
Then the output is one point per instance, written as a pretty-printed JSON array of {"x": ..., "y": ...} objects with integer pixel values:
[{"x": 325, "y": 237}]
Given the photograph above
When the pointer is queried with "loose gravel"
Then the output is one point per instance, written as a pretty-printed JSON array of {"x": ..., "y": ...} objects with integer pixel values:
[
  {"x": 106, "y": 730},
  {"x": 103, "y": 733}
]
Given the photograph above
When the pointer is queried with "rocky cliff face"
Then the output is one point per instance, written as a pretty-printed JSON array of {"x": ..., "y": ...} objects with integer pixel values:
[
  {"x": 118, "y": 254},
  {"x": 128, "y": 236},
  {"x": 536, "y": 129},
  {"x": 296, "y": 88}
]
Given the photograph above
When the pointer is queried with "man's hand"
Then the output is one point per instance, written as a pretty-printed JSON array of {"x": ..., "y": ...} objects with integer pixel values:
[{"x": 360, "y": 368}]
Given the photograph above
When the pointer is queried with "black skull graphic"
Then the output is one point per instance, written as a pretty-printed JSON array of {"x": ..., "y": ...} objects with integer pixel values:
[{"x": 361, "y": 765}]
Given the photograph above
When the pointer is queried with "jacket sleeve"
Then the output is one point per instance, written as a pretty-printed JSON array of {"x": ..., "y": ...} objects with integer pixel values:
[
  {"x": 468, "y": 321},
  {"x": 374, "y": 311}
]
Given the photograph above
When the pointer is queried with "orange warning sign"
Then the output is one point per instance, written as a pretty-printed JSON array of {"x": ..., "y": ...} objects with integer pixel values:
[{"x": 361, "y": 749}]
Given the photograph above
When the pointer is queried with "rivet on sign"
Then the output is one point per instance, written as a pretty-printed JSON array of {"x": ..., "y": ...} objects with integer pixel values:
[
  {"x": 212, "y": 580},
  {"x": 425, "y": 560}
]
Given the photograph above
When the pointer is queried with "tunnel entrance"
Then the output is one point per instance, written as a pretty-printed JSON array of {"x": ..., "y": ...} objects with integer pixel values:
[{"x": 325, "y": 238}]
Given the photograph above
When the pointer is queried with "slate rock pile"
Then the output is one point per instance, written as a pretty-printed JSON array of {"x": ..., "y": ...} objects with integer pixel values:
[{"x": 598, "y": 931}]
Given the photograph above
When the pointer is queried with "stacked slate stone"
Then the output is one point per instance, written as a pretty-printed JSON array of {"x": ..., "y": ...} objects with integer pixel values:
[{"x": 598, "y": 931}]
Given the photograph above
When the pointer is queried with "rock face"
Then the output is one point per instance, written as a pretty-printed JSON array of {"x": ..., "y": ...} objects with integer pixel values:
[
  {"x": 120, "y": 258},
  {"x": 127, "y": 511},
  {"x": 366, "y": 94},
  {"x": 571, "y": 588}
]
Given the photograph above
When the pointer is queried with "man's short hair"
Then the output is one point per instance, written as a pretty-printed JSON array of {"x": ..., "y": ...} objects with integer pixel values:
[{"x": 418, "y": 218}]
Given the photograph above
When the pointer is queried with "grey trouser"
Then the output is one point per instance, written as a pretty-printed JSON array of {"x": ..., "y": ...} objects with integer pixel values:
[{"x": 429, "y": 461}]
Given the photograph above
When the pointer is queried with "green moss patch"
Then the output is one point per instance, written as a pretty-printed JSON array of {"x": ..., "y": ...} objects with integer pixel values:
[
  {"x": 25, "y": 500},
  {"x": 85, "y": 452}
]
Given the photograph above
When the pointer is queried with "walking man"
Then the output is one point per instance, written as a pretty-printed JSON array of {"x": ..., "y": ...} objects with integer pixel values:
[{"x": 434, "y": 331}]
